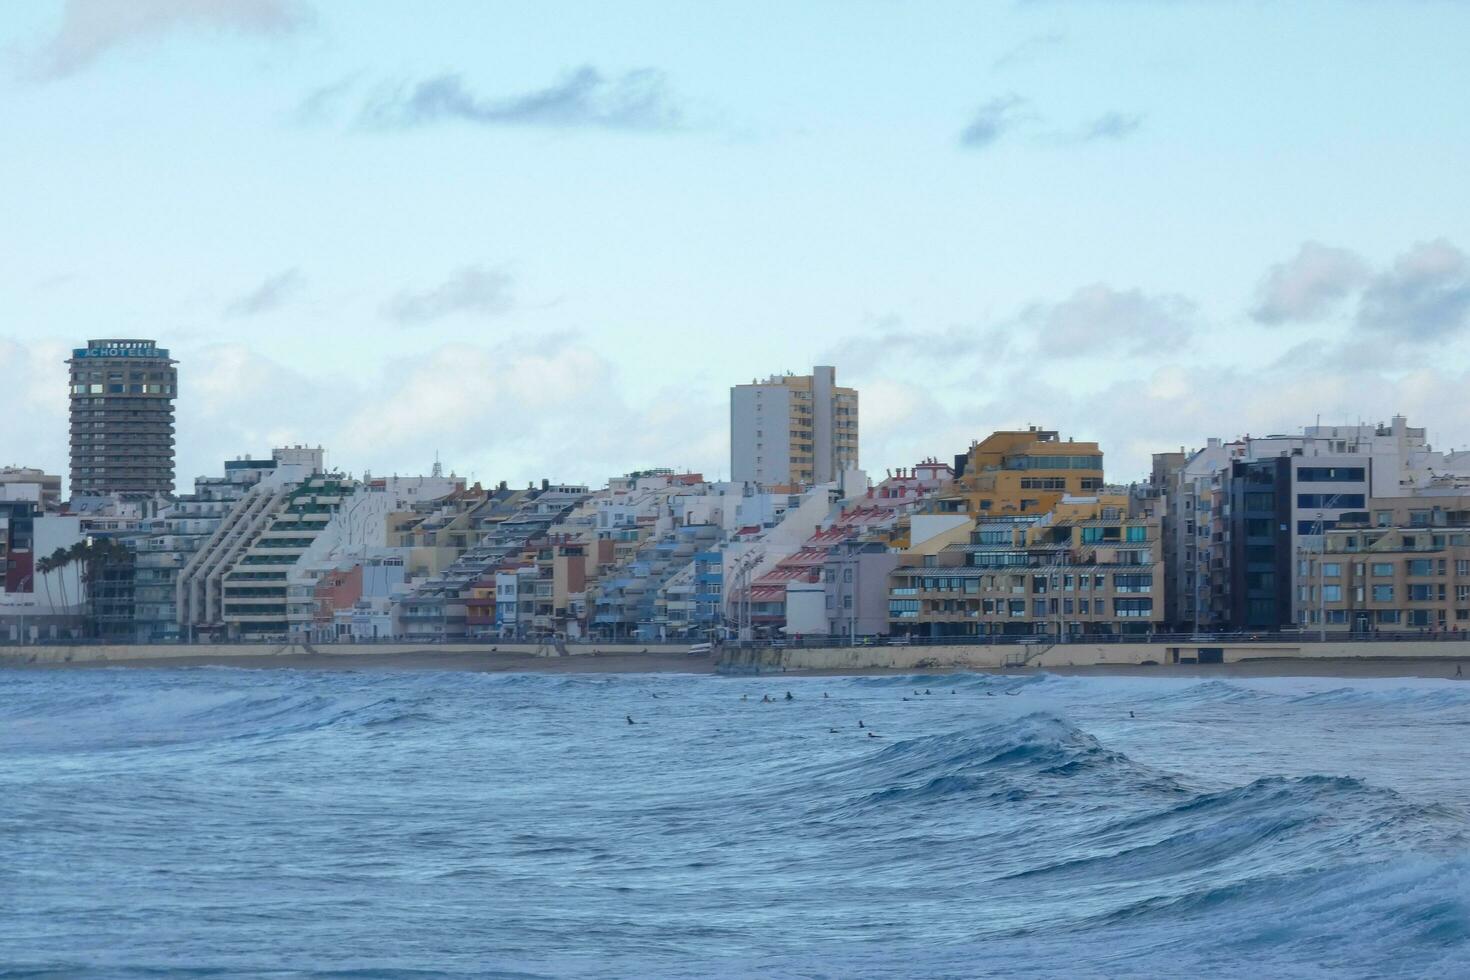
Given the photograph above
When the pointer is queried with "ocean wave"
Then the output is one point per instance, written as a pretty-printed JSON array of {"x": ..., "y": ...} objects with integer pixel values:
[{"x": 1005, "y": 761}]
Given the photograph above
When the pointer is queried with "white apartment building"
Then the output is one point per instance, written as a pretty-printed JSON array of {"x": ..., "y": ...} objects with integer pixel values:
[{"x": 793, "y": 429}]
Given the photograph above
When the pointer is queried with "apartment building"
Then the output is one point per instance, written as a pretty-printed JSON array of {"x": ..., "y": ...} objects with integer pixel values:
[
  {"x": 1021, "y": 472},
  {"x": 28, "y": 483},
  {"x": 1404, "y": 566},
  {"x": 1089, "y": 567},
  {"x": 793, "y": 430}
]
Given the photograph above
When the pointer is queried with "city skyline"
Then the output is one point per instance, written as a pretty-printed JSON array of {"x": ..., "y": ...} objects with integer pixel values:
[{"x": 536, "y": 251}]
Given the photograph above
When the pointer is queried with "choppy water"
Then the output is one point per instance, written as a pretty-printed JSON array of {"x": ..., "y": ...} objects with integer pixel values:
[{"x": 210, "y": 822}]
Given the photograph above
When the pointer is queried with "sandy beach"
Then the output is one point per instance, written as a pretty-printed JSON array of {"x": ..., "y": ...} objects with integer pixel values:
[{"x": 640, "y": 663}]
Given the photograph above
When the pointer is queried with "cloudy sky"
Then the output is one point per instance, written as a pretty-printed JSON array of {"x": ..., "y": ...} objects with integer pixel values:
[{"x": 543, "y": 239}]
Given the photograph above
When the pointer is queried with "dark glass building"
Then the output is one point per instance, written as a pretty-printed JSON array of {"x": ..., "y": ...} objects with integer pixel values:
[
  {"x": 122, "y": 418},
  {"x": 1260, "y": 544}
]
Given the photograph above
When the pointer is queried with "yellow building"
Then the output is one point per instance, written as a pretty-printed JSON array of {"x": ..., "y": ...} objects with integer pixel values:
[
  {"x": 796, "y": 429},
  {"x": 1022, "y": 472},
  {"x": 1087, "y": 567}
]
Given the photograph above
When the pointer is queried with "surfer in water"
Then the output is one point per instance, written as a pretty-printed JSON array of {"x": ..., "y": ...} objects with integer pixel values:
[
  {"x": 765, "y": 699},
  {"x": 630, "y": 720},
  {"x": 789, "y": 697}
]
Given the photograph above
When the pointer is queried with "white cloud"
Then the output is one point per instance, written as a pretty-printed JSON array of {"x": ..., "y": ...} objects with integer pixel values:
[
  {"x": 1425, "y": 296},
  {"x": 1308, "y": 285},
  {"x": 33, "y": 403},
  {"x": 1098, "y": 319},
  {"x": 471, "y": 289},
  {"x": 91, "y": 28},
  {"x": 269, "y": 295}
]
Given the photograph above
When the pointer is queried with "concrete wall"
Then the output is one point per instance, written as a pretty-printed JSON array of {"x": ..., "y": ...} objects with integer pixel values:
[
  {"x": 1083, "y": 654},
  {"x": 226, "y": 651}
]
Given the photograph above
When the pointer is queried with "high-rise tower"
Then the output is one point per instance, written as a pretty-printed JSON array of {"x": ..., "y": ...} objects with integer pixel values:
[
  {"x": 793, "y": 429},
  {"x": 122, "y": 417}
]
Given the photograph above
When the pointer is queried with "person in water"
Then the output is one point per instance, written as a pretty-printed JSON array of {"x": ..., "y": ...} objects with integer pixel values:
[
  {"x": 789, "y": 697},
  {"x": 630, "y": 719},
  {"x": 860, "y": 723},
  {"x": 765, "y": 699}
]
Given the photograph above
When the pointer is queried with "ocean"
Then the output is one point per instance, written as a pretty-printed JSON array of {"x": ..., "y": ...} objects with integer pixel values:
[{"x": 216, "y": 822}]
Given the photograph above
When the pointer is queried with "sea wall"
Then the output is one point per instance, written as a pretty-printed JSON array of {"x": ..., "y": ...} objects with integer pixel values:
[
  {"x": 101, "y": 653},
  {"x": 1078, "y": 654}
]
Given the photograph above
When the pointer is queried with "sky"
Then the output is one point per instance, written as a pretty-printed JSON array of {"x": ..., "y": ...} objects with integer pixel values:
[{"x": 543, "y": 239}]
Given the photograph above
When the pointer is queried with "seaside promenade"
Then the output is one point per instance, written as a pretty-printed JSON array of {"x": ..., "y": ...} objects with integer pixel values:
[{"x": 1410, "y": 657}]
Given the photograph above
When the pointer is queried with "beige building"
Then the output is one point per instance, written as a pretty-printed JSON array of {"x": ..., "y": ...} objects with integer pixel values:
[
  {"x": 1088, "y": 567},
  {"x": 1407, "y": 567},
  {"x": 793, "y": 429}
]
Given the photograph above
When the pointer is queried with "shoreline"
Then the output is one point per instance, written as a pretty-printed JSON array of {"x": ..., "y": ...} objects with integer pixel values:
[{"x": 680, "y": 663}]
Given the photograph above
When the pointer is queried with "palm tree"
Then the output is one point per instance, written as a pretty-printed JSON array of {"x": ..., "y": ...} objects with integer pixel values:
[
  {"x": 44, "y": 567},
  {"x": 60, "y": 558}
]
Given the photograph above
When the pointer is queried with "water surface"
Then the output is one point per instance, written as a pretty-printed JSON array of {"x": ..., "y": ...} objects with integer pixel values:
[{"x": 215, "y": 821}]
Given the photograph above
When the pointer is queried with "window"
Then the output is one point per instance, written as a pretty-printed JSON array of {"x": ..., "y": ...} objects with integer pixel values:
[
  {"x": 903, "y": 608},
  {"x": 1339, "y": 501},
  {"x": 847, "y": 575},
  {"x": 1382, "y": 568},
  {"x": 1330, "y": 474},
  {"x": 847, "y": 601},
  {"x": 1421, "y": 593},
  {"x": 1260, "y": 500},
  {"x": 1383, "y": 593},
  {"x": 1133, "y": 583},
  {"x": 1332, "y": 593},
  {"x": 1331, "y": 569},
  {"x": 1133, "y": 608},
  {"x": 1419, "y": 566},
  {"x": 1388, "y": 616},
  {"x": 1137, "y": 533}
]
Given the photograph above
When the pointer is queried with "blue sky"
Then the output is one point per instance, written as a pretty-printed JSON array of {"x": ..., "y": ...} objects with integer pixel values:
[{"x": 543, "y": 239}]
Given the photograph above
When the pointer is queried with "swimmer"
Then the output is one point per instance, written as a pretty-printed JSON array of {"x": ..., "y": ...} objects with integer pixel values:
[
  {"x": 789, "y": 697},
  {"x": 630, "y": 720},
  {"x": 860, "y": 723}
]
